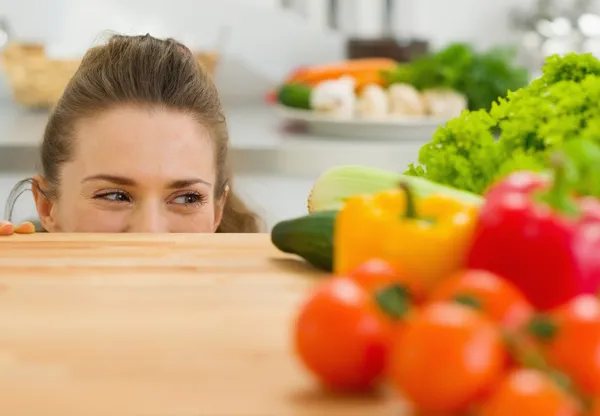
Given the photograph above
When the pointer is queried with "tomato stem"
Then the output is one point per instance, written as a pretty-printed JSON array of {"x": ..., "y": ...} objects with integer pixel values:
[
  {"x": 527, "y": 354},
  {"x": 394, "y": 301},
  {"x": 524, "y": 352},
  {"x": 542, "y": 327},
  {"x": 469, "y": 301}
]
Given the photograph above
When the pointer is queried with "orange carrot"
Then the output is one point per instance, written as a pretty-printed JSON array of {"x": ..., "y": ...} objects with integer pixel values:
[
  {"x": 356, "y": 68},
  {"x": 366, "y": 78}
]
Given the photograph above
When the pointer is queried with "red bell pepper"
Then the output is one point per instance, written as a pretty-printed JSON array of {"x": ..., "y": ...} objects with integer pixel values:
[
  {"x": 523, "y": 182},
  {"x": 536, "y": 234},
  {"x": 590, "y": 208}
]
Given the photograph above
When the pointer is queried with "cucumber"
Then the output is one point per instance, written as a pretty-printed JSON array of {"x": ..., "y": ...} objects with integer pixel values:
[
  {"x": 310, "y": 237},
  {"x": 295, "y": 96}
]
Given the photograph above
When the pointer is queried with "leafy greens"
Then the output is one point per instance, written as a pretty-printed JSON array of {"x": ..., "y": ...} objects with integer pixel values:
[
  {"x": 481, "y": 77},
  {"x": 561, "y": 106}
]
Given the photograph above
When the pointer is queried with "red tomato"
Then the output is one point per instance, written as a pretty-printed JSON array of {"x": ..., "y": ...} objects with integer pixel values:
[
  {"x": 532, "y": 393},
  {"x": 496, "y": 297},
  {"x": 448, "y": 356},
  {"x": 376, "y": 274},
  {"x": 570, "y": 339},
  {"x": 342, "y": 337}
]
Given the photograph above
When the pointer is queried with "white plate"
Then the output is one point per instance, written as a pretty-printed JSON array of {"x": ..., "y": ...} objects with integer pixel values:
[{"x": 388, "y": 128}]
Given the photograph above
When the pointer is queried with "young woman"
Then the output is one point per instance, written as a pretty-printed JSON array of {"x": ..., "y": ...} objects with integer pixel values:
[{"x": 137, "y": 143}]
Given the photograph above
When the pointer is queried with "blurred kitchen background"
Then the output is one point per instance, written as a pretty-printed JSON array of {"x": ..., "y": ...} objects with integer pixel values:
[{"x": 255, "y": 45}]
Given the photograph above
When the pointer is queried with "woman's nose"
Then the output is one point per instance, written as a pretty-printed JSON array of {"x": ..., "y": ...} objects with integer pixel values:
[{"x": 149, "y": 218}]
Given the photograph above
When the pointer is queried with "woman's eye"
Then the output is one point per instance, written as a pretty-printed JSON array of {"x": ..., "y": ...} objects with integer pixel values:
[
  {"x": 188, "y": 199},
  {"x": 115, "y": 197}
]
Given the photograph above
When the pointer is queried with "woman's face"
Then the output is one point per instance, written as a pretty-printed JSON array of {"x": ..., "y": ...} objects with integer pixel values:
[{"x": 136, "y": 170}]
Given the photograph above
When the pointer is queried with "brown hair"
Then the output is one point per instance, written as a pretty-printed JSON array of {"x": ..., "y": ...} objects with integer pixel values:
[{"x": 144, "y": 71}]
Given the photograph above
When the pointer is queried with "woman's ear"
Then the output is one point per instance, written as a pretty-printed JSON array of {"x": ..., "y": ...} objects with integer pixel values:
[
  {"x": 219, "y": 207},
  {"x": 45, "y": 207}
]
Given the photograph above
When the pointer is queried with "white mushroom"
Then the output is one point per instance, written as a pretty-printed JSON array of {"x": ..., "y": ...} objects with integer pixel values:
[
  {"x": 444, "y": 102},
  {"x": 373, "y": 102},
  {"x": 405, "y": 100},
  {"x": 335, "y": 97}
]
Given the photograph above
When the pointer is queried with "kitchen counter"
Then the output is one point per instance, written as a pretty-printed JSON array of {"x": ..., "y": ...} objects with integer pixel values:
[
  {"x": 260, "y": 144},
  {"x": 156, "y": 325}
]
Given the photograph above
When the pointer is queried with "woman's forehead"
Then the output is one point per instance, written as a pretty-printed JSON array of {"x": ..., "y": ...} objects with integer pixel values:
[{"x": 142, "y": 143}]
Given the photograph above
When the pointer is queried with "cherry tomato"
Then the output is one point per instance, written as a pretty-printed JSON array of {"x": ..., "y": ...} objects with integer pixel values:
[
  {"x": 376, "y": 274},
  {"x": 496, "y": 297},
  {"x": 570, "y": 338},
  {"x": 342, "y": 337},
  {"x": 529, "y": 392},
  {"x": 447, "y": 357}
]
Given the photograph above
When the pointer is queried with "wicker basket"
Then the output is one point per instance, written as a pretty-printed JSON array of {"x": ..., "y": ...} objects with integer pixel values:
[{"x": 38, "y": 82}]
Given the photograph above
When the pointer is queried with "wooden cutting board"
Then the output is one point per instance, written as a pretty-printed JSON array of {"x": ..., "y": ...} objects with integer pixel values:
[{"x": 156, "y": 325}]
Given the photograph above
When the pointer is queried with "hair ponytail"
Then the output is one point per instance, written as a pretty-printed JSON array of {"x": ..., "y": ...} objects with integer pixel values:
[{"x": 237, "y": 217}]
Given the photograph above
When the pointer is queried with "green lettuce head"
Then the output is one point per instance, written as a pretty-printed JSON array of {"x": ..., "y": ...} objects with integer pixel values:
[{"x": 521, "y": 130}]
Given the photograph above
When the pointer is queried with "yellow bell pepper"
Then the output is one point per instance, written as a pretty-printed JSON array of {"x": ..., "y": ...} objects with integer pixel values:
[{"x": 423, "y": 238}]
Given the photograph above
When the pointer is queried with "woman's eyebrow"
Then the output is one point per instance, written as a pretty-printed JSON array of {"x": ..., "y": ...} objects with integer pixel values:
[
  {"x": 184, "y": 183},
  {"x": 121, "y": 180}
]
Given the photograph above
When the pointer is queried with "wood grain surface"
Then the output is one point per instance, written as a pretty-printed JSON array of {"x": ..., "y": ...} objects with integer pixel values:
[{"x": 156, "y": 325}]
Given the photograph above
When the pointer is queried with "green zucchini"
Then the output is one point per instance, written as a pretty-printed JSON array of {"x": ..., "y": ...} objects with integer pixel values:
[{"x": 310, "y": 237}]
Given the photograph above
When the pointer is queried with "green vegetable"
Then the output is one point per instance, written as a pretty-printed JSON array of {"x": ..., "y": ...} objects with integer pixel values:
[
  {"x": 550, "y": 113},
  {"x": 583, "y": 164},
  {"x": 481, "y": 77},
  {"x": 310, "y": 237},
  {"x": 294, "y": 95},
  {"x": 337, "y": 184}
]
